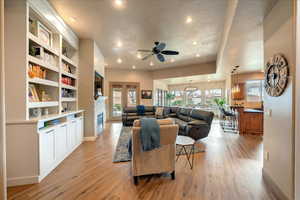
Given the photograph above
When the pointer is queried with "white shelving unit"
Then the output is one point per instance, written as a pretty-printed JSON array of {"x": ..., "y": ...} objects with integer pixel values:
[
  {"x": 41, "y": 134},
  {"x": 66, "y": 56}
]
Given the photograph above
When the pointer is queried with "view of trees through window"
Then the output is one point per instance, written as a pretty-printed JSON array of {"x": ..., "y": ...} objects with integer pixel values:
[
  {"x": 254, "y": 90},
  {"x": 195, "y": 98}
]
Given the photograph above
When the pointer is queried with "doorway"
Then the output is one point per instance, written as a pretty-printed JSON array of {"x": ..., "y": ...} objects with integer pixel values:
[{"x": 122, "y": 94}]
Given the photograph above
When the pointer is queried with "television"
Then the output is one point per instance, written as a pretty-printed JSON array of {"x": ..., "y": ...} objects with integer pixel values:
[{"x": 98, "y": 87}]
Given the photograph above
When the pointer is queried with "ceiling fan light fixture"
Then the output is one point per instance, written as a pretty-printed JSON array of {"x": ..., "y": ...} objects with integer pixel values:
[{"x": 172, "y": 60}]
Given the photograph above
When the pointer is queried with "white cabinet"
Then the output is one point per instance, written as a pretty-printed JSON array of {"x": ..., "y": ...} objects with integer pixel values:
[
  {"x": 58, "y": 142},
  {"x": 47, "y": 150},
  {"x": 61, "y": 141},
  {"x": 72, "y": 134},
  {"x": 79, "y": 130}
]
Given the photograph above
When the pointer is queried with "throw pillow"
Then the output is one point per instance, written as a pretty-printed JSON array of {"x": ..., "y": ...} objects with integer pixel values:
[{"x": 159, "y": 111}]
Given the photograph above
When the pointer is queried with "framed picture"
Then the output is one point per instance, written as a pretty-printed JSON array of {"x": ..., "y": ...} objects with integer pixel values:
[
  {"x": 44, "y": 34},
  {"x": 146, "y": 94}
]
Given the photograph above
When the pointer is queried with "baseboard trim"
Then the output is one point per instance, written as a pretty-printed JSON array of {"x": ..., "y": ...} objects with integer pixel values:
[
  {"x": 90, "y": 139},
  {"x": 273, "y": 186},
  {"x": 22, "y": 180}
]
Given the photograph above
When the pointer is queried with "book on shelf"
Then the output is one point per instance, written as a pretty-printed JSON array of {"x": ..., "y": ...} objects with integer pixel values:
[
  {"x": 35, "y": 71},
  {"x": 33, "y": 94}
]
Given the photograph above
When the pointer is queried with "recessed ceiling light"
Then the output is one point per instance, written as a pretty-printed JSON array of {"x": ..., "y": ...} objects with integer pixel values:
[
  {"x": 139, "y": 56},
  {"x": 194, "y": 43},
  {"x": 133, "y": 67},
  {"x": 72, "y": 19},
  {"x": 119, "y": 2},
  {"x": 208, "y": 80},
  {"x": 172, "y": 60},
  {"x": 119, "y": 44},
  {"x": 151, "y": 63},
  {"x": 197, "y": 55},
  {"x": 119, "y": 60},
  {"x": 188, "y": 20},
  {"x": 105, "y": 64}
]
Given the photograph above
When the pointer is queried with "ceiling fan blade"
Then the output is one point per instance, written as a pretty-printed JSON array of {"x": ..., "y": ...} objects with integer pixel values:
[
  {"x": 169, "y": 52},
  {"x": 161, "y": 46},
  {"x": 160, "y": 57},
  {"x": 144, "y": 50},
  {"x": 148, "y": 56}
]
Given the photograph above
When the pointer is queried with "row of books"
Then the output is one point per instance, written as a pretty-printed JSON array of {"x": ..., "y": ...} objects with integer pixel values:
[
  {"x": 36, "y": 95},
  {"x": 67, "y": 81},
  {"x": 35, "y": 71}
]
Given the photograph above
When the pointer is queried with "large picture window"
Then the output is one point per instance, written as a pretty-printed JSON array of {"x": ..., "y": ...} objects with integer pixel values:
[{"x": 254, "y": 90}]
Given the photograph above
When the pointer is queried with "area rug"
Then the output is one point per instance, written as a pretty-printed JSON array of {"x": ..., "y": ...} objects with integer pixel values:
[{"x": 121, "y": 153}]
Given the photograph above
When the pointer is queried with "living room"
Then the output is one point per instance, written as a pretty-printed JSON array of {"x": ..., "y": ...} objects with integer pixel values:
[{"x": 137, "y": 99}]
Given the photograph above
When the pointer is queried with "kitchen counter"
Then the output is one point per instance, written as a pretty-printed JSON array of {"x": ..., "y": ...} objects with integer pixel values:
[{"x": 250, "y": 121}]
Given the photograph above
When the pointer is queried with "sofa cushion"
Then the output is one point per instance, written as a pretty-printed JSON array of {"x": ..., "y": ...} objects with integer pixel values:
[
  {"x": 183, "y": 117},
  {"x": 149, "y": 109},
  {"x": 197, "y": 122},
  {"x": 174, "y": 109},
  {"x": 182, "y": 124},
  {"x": 167, "y": 111},
  {"x": 149, "y": 113},
  {"x": 202, "y": 115},
  {"x": 130, "y": 110}
]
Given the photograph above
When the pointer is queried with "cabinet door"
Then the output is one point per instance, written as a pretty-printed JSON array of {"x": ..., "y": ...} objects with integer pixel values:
[
  {"x": 72, "y": 134},
  {"x": 47, "y": 150},
  {"x": 79, "y": 130},
  {"x": 62, "y": 141}
]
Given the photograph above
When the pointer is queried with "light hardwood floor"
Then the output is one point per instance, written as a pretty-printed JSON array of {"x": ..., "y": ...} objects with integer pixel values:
[{"x": 230, "y": 169}]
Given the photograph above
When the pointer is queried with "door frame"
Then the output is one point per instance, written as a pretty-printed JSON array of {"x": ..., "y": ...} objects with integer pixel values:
[
  {"x": 3, "y": 192},
  {"x": 124, "y": 95}
]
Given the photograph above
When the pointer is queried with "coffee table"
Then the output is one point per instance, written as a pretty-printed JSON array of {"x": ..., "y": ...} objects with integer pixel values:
[{"x": 183, "y": 142}]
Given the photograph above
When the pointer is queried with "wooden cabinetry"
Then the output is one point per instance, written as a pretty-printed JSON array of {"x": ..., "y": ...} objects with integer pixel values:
[{"x": 253, "y": 123}]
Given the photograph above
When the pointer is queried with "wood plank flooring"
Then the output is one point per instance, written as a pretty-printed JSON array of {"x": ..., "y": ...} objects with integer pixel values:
[{"x": 230, "y": 169}]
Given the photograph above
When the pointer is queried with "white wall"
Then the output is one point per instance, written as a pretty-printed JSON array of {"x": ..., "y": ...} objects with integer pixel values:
[{"x": 278, "y": 128}]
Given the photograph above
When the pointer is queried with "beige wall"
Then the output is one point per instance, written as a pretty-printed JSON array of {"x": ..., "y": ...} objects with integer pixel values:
[
  {"x": 200, "y": 85},
  {"x": 2, "y": 109},
  {"x": 119, "y": 75},
  {"x": 190, "y": 70},
  {"x": 90, "y": 60},
  {"x": 278, "y": 128}
]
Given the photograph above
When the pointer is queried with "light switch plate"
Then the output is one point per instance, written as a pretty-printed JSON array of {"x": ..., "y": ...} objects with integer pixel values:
[{"x": 266, "y": 155}]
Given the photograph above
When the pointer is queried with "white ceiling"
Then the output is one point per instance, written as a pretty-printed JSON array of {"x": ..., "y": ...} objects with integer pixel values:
[
  {"x": 141, "y": 22},
  {"x": 235, "y": 24}
]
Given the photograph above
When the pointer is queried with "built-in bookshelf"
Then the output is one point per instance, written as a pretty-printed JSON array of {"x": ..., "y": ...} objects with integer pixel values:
[{"x": 52, "y": 70}]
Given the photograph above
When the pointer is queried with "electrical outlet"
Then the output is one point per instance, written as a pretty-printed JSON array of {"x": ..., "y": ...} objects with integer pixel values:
[{"x": 266, "y": 155}]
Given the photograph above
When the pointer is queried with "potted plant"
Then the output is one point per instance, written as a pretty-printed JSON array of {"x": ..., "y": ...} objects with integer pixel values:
[{"x": 220, "y": 102}]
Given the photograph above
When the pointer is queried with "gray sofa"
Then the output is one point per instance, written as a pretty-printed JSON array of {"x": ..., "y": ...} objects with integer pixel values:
[{"x": 194, "y": 123}]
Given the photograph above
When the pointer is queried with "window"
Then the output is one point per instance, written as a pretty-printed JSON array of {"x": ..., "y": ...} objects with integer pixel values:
[
  {"x": 160, "y": 97},
  {"x": 211, "y": 94},
  {"x": 193, "y": 98},
  {"x": 179, "y": 98},
  {"x": 254, "y": 90}
]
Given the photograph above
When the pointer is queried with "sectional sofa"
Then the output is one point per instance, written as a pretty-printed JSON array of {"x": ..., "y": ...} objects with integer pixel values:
[{"x": 192, "y": 122}]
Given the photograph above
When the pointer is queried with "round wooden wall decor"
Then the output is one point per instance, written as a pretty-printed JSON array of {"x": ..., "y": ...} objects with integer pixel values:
[{"x": 276, "y": 75}]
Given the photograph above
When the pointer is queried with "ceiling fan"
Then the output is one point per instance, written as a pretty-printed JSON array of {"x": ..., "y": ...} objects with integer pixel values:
[{"x": 159, "y": 51}]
